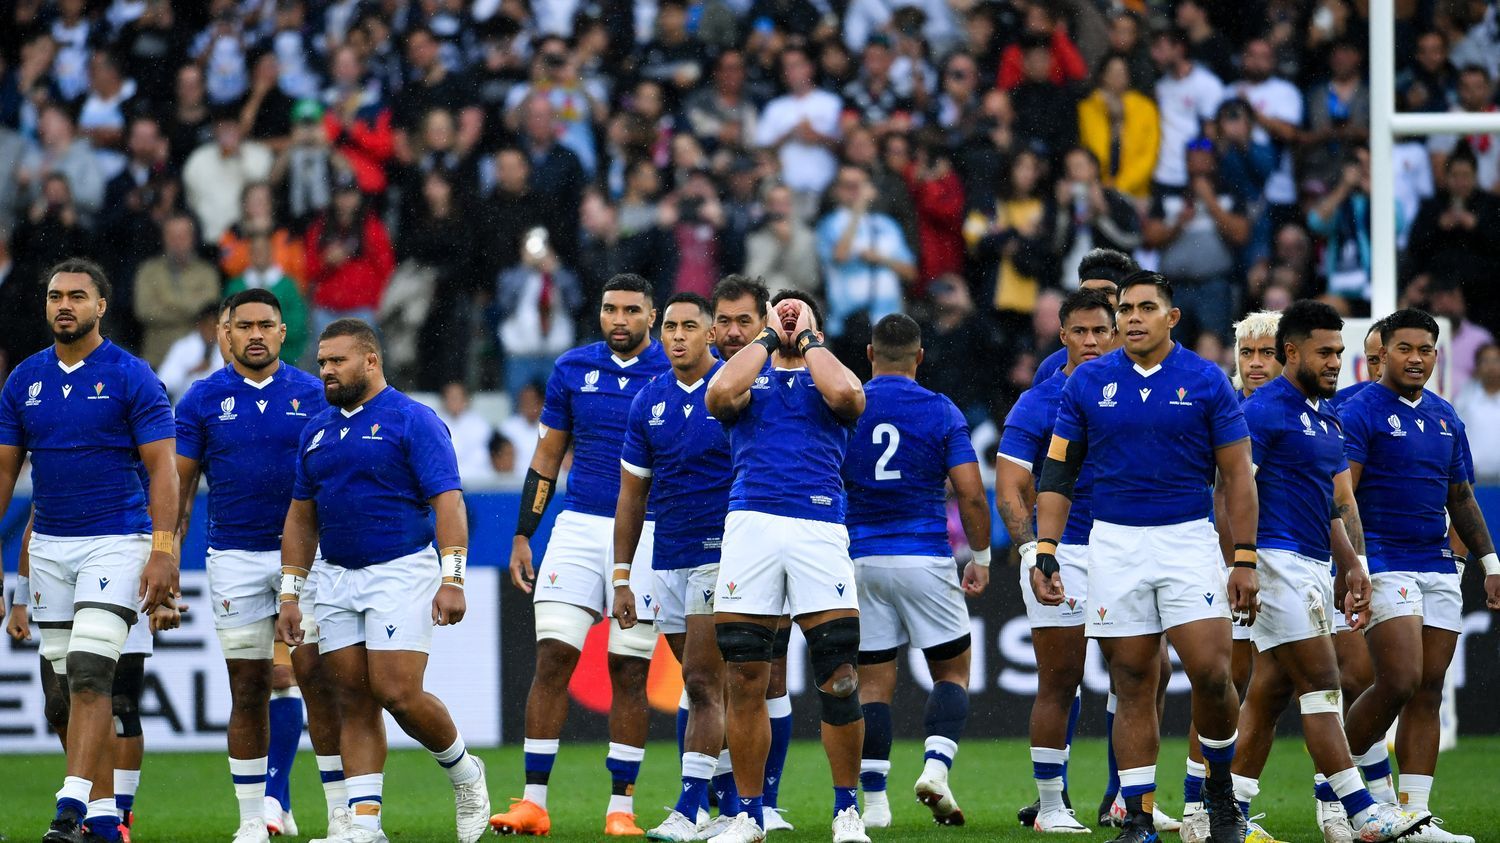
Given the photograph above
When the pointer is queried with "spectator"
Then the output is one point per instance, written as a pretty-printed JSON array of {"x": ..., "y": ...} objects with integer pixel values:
[
  {"x": 194, "y": 355},
  {"x": 953, "y": 341},
  {"x": 802, "y": 126},
  {"x": 442, "y": 239},
  {"x": 575, "y": 109},
  {"x": 1066, "y": 64},
  {"x": 938, "y": 194},
  {"x": 291, "y": 42},
  {"x": 1119, "y": 125},
  {"x": 173, "y": 289},
  {"x": 693, "y": 217},
  {"x": 673, "y": 57},
  {"x": 266, "y": 115},
  {"x": 1125, "y": 41},
  {"x": 1247, "y": 168},
  {"x": 102, "y": 118},
  {"x": 865, "y": 258},
  {"x": 1206, "y": 45},
  {"x": 263, "y": 270},
  {"x": 1198, "y": 230},
  {"x": 73, "y": 32},
  {"x": 1478, "y": 405},
  {"x": 1342, "y": 219},
  {"x": 51, "y": 230},
  {"x": 60, "y": 150},
  {"x": 557, "y": 174},
  {"x": 956, "y": 108},
  {"x": 873, "y": 94},
  {"x": 357, "y": 122},
  {"x": 1457, "y": 232},
  {"x": 216, "y": 174},
  {"x": 433, "y": 86},
  {"x": 136, "y": 203},
  {"x": 1089, "y": 215},
  {"x": 258, "y": 217},
  {"x": 721, "y": 114},
  {"x": 12, "y": 148},
  {"x": 1046, "y": 111},
  {"x": 29, "y": 83},
  {"x": 1476, "y": 94},
  {"x": 22, "y": 304},
  {"x": 537, "y": 301},
  {"x": 1276, "y": 107},
  {"x": 502, "y": 462},
  {"x": 438, "y": 147},
  {"x": 306, "y": 170},
  {"x": 783, "y": 253},
  {"x": 1338, "y": 117},
  {"x": 348, "y": 259},
  {"x": 520, "y": 427},
  {"x": 188, "y": 124},
  {"x": 1012, "y": 244},
  {"x": 220, "y": 50},
  {"x": 1413, "y": 183},
  {"x": 638, "y": 209},
  {"x": 149, "y": 47},
  {"x": 1445, "y": 298},
  {"x": 1187, "y": 97},
  {"x": 470, "y": 432},
  {"x": 885, "y": 162},
  {"x": 867, "y": 19},
  {"x": 1430, "y": 83},
  {"x": 511, "y": 210}
]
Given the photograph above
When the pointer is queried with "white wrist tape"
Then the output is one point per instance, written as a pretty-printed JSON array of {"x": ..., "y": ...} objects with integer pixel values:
[
  {"x": 22, "y": 595},
  {"x": 291, "y": 586},
  {"x": 455, "y": 560},
  {"x": 1491, "y": 564},
  {"x": 981, "y": 557},
  {"x": 1028, "y": 555},
  {"x": 621, "y": 575}
]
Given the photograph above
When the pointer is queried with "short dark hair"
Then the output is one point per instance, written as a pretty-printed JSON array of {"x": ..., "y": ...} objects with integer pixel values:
[
  {"x": 224, "y": 305},
  {"x": 1377, "y": 327},
  {"x": 798, "y": 295},
  {"x": 1107, "y": 265},
  {"x": 1408, "y": 318},
  {"x": 498, "y": 441},
  {"x": 1081, "y": 300},
  {"x": 83, "y": 266},
  {"x": 255, "y": 295},
  {"x": 629, "y": 282},
  {"x": 690, "y": 298},
  {"x": 1175, "y": 34},
  {"x": 896, "y": 338},
  {"x": 1299, "y": 321},
  {"x": 1147, "y": 277},
  {"x": 359, "y": 329},
  {"x": 736, "y": 287}
]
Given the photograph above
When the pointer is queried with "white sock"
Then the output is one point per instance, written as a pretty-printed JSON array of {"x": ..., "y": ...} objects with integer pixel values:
[
  {"x": 77, "y": 789},
  {"x": 537, "y": 793},
  {"x": 877, "y": 799},
  {"x": 1050, "y": 789},
  {"x": 364, "y": 798},
  {"x": 331, "y": 771},
  {"x": 1245, "y": 788},
  {"x": 625, "y": 802},
  {"x": 621, "y": 804},
  {"x": 779, "y": 707},
  {"x": 249, "y": 775},
  {"x": 1382, "y": 788},
  {"x": 697, "y": 765},
  {"x": 1415, "y": 790},
  {"x": 127, "y": 782},
  {"x": 1345, "y": 783},
  {"x": 103, "y": 808},
  {"x": 458, "y": 763}
]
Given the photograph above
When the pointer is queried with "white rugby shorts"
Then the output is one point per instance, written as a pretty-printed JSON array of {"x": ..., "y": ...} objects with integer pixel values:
[
  {"x": 1296, "y": 599},
  {"x": 913, "y": 600},
  {"x": 1435, "y": 598},
  {"x": 1073, "y": 562},
  {"x": 681, "y": 592},
  {"x": 772, "y": 564},
  {"x": 578, "y": 567},
  {"x": 245, "y": 586},
  {"x": 94, "y": 569},
  {"x": 1146, "y": 580},
  {"x": 386, "y": 606}
]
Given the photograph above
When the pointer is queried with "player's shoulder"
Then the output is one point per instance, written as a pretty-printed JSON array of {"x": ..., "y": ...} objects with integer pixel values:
[
  {"x": 1440, "y": 405},
  {"x": 118, "y": 358},
  {"x": 33, "y": 366},
  {"x": 589, "y": 354},
  {"x": 1186, "y": 360},
  {"x": 299, "y": 378}
]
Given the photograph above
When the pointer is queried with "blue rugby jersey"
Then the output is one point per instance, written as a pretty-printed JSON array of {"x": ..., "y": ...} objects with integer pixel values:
[
  {"x": 905, "y": 443},
  {"x": 370, "y": 473},
  {"x": 588, "y": 396},
  {"x": 671, "y": 435},
  {"x": 1028, "y": 432},
  {"x": 1298, "y": 447},
  {"x": 1151, "y": 434},
  {"x": 83, "y": 427},
  {"x": 1050, "y": 366},
  {"x": 788, "y": 450},
  {"x": 1410, "y": 452},
  {"x": 245, "y": 435}
]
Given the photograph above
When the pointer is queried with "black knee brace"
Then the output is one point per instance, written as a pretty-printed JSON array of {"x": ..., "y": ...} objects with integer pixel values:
[
  {"x": 832, "y": 646},
  {"x": 878, "y": 656},
  {"x": 783, "y": 641},
  {"x": 90, "y": 674},
  {"x": 54, "y": 697},
  {"x": 745, "y": 642},
  {"x": 948, "y": 649},
  {"x": 130, "y": 680}
]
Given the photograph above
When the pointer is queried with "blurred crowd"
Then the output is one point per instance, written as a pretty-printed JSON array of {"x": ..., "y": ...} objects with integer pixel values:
[{"x": 466, "y": 174}]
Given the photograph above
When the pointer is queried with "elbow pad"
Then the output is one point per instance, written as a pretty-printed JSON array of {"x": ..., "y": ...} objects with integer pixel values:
[
  {"x": 1062, "y": 466},
  {"x": 535, "y": 495}
]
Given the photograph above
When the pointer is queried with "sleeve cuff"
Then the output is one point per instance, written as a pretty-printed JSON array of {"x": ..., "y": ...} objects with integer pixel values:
[
  {"x": 1026, "y": 464},
  {"x": 638, "y": 471}
]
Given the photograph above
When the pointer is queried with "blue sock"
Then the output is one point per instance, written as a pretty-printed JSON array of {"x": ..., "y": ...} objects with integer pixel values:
[
  {"x": 780, "y": 711},
  {"x": 879, "y": 732},
  {"x": 947, "y": 711},
  {"x": 872, "y": 782},
  {"x": 286, "y": 734},
  {"x": 65, "y": 805},
  {"x": 1218, "y": 758},
  {"x": 1324, "y": 791},
  {"x": 845, "y": 797},
  {"x": 105, "y": 828},
  {"x": 694, "y": 794},
  {"x": 126, "y": 803},
  {"x": 1379, "y": 770},
  {"x": 1112, "y": 787},
  {"x": 624, "y": 765},
  {"x": 682, "y": 721},
  {"x": 1355, "y": 802},
  {"x": 1073, "y": 713},
  {"x": 728, "y": 793},
  {"x": 753, "y": 806},
  {"x": 1192, "y": 783}
]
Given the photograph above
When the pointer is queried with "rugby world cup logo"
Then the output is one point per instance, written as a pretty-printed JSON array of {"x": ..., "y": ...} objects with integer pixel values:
[
  {"x": 34, "y": 390},
  {"x": 591, "y": 381},
  {"x": 226, "y": 408},
  {"x": 1395, "y": 422},
  {"x": 1109, "y": 394},
  {"x": 657, "y": 410}
]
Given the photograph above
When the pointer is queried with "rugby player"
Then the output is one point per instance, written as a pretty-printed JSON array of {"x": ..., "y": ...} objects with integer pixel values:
[
  {"x": 1406, "y": 457},
  {"x": 240, "y": 427},
  {"x": 1057, "y": 632},
  {"x": 1102, "y": 270},
  {"x": 90, "y": 416},
  {"x": 1301, "y": 477},
  {"x": 1155, "y": 404},
  {"x": 588, "y": 399},
  {"x": 909, "y": 444},
  {"x": 374, "y": 471},
  {"x": 785, "y": 543},
  {"x": 677, "y": 455}
]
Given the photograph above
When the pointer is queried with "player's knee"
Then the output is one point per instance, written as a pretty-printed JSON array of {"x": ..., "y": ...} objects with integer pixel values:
[
  {"x": 93, "y": 648},
  {"x": 637, "y": 642},
  {"x": 704, "y": 686},
  {"x": 127, "y": 713},
  {"x": 252, "y": 642},
  {"x": 745, "y": 642},
  {"x": 1321, "y": 702},
  {"x": 90, "y": 674},
  {"x": 562, "y": 622},
  {"x": 54, "y": 649},
  {"x": 782, "y": 643},
  {"x": 395, "y": 697},
  {"x": 833, "y": 649},
  {"x": 1212, "y": 680}
]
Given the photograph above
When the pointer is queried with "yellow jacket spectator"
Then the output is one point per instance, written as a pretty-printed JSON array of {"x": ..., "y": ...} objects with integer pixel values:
[{"x": 1120, "y": 126}]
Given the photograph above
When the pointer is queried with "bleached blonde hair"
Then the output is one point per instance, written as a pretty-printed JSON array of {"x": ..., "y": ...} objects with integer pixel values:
[{"x": 1258, "y": 325}]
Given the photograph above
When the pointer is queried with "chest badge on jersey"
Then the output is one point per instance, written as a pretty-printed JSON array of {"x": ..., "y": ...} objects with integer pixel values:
[
  {"x": 1181, "y": 398},
  {"x": 1109, "y": 394},
  {"x": 374, "y": 433},
  {"x": 762, "y": 382},
  {"x": 1421, "y": 426},
  {"x": 1444, "y": 431},
  {"x": 591, "y": 381},
  {"x": 317, "y": 440},
  {"x": 1307, "y": 428},
  {"x": 296, "y": 408},
  {"x": 98, "y": 392},
  {"x": 656, "y": 412},
  {"x": 1395, "y": 422},
  {"x": 1145, "y": 393},
  {"x": 226, "y": 409}
]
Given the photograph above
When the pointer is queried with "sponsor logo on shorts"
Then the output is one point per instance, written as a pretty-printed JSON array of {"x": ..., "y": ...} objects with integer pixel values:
[
  {"x": 1404, "y": 596},
  {"x": 1101, "y": 612},
  {"x": 34, "y": 394},
  {"x": 1208, "y": 598},
  {"x": 390, "y": 630},
  {"x": 1109, "y": 394},
  {"x": 839, "y": 587},
  {"x": 226, "y": 409},
  {"x": 103, "y": 583},
  {"x": 1072, "y": 604},
  {"x": 225, "y": 604},
  {"x": 552, "y": 578},
  {"x": 646, "y": 598},
  {"x": 729, "y": 588},
  {"x": 36, "y": 599},
  {"x": 708, "y": 595},
  {"x": 590, "y": 382}
]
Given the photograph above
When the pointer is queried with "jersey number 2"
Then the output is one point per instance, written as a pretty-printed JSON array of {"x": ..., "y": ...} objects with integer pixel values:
[{"x": 889, "y": 434}]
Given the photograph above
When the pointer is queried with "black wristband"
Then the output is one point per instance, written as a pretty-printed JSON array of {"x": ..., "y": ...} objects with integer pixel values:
[
  {"x": 808, "y": 340},
  {"x": 769, "y": 339},
  {"x": 535, "y": 494},
  {"x": 1251, "y": 565},
  {"x": 1046, "y": 560},
  {"x": 1244, "y": 546}
]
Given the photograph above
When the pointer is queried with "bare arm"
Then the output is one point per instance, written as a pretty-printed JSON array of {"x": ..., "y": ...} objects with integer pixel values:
[
  {"x": 188, "y": 472},
  {"x": 11, "y": 458},
  {"x": 630, "y": 519},
  {"x": 1237, "y": 474},
  {"x": 1347, "y": 509},
  {"x": 159, "y": 579},
  {"x": 1234, "y": 227},
  {"x": 452, "y": 533},
  {"x": 1468, "y": 520},
  {"x": 843, "y": 250},
  {"x": 18, "y": 620},
  {"x": 729, "y": 391},
  {"x": 452, "y": 519},
  {"x": 973, "y": 506},
  {"x": 541, "y": 482},
  {"x": 1015, "y": 495},
  {"x": 299, "y": 535}
]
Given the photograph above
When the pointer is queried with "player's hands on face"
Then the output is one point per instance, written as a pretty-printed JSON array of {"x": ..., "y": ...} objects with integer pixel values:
[
  {"x": 785, "y": 320},
  {"x": 18, "y": 623},
  {"x": 448, "y": 605},
  {"x": 1244, "y": 595},
  {"x": 522, "y": 575},
  {"x": 289, "y": 624},
  {"x": 158, "y": 581},
  {"x": 804, "y": 320},
  {"x": 976, "y": 579},
  {"x": 624, "y": 611},
  {"x": 1492, "y": 591}
]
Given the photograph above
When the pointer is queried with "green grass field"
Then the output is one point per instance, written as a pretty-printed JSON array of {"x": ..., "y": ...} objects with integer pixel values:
[{"x": 186, "y": 798}]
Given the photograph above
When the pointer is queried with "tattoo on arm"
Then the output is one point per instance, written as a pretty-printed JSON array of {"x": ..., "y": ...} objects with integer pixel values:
[
  {"x": 1019, "y": 525},
  {"x": 1468, "y": 520},
  {"x": 1352, "y": 525}
]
